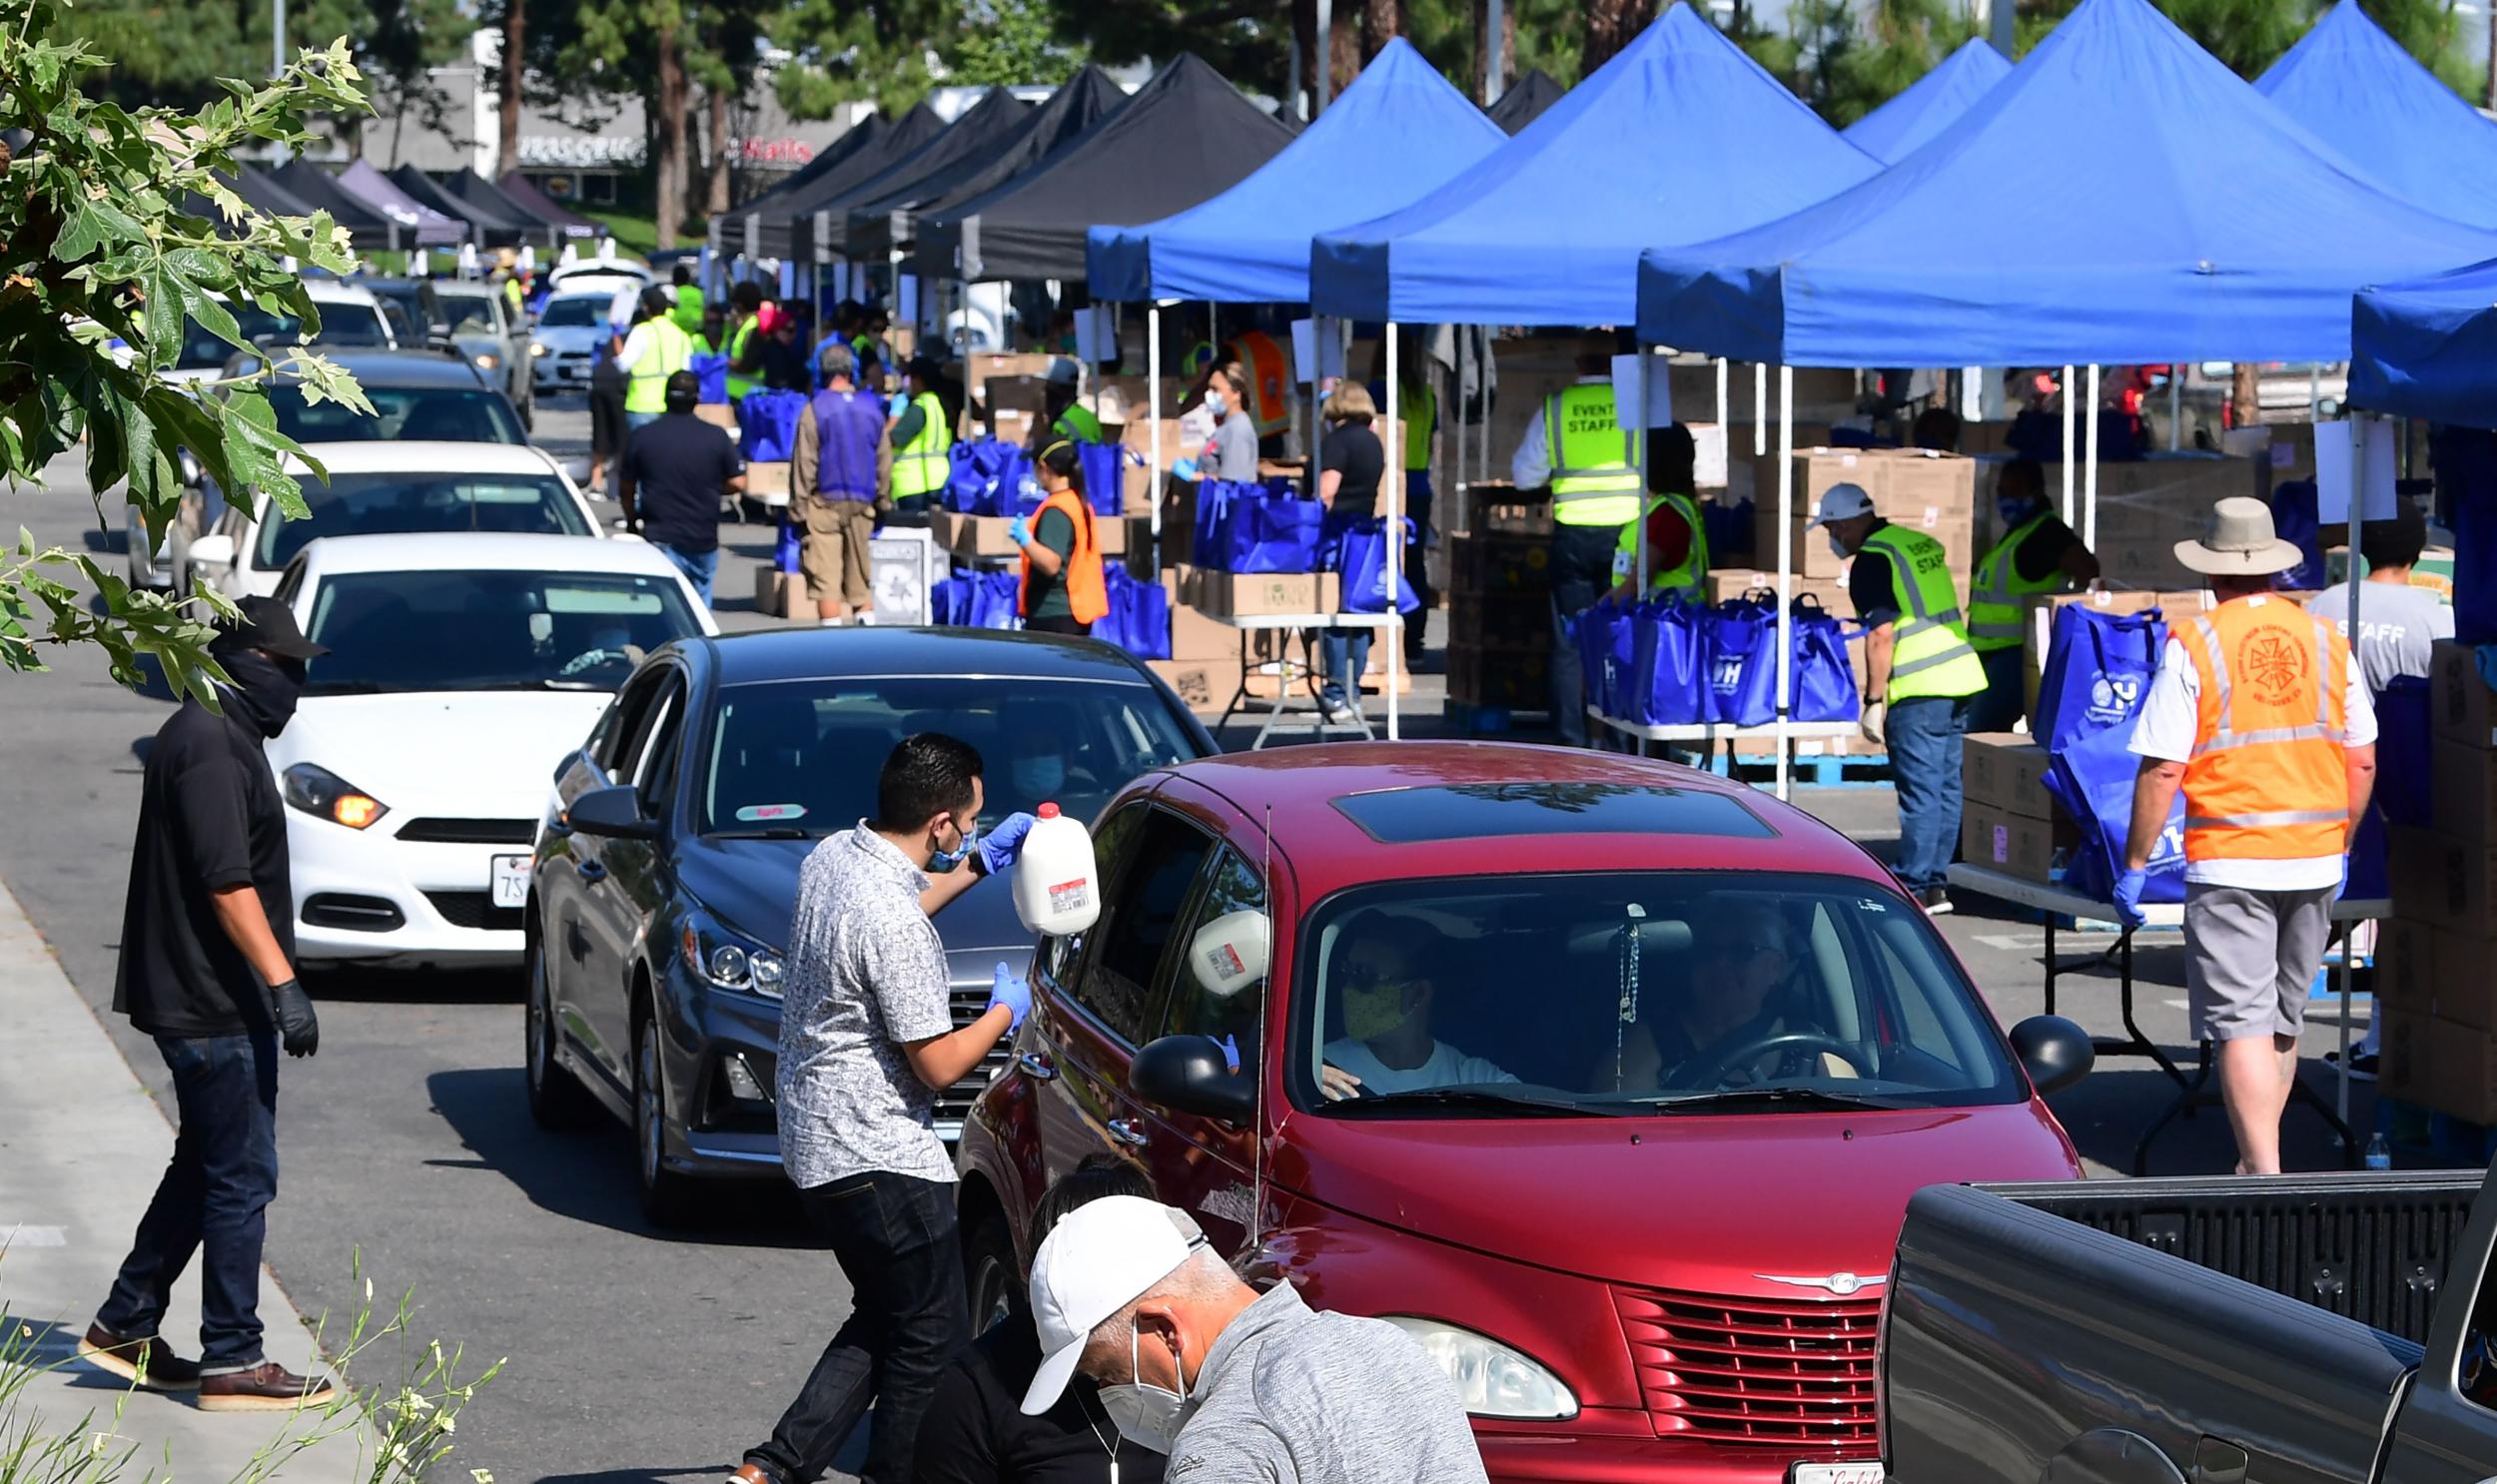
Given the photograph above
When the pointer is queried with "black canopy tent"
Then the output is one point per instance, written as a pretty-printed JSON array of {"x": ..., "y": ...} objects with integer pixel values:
[
  {"x": 494, "y": 225},
  {"x": 1525, "y": 101},
  {"x": 528, "y": 197},
  {"x": 786, "y": 229},
  {"x": 1186, "y": 136},
  {"x": 982, "y": 130},
  {"x": 256, "y": 186},
  {"x": 1070, "y": 112},
  {"x": 367, "y": 229},
  {"x": 467, "y": 185}
]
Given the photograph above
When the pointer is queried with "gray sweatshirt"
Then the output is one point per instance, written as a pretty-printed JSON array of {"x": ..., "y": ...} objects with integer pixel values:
[{"x": 1291, "y": 1395}]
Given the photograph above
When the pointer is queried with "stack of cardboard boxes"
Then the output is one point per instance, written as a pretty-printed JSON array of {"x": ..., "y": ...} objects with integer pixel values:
[
  {"x": 1204, "y": 666},
  {"x": 2007, "y": 821},
  {"x": 2434, "y": 988},
  {"x": 1935, "y": 493},
  {"x": 1500, "y": 603}
]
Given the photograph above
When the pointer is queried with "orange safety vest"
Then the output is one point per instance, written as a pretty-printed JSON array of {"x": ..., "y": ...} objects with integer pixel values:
[
  {"x": 1088, "y": 592},
  {"x": 1269, "y": 382},
  {"x": 2268, "y": 779}
]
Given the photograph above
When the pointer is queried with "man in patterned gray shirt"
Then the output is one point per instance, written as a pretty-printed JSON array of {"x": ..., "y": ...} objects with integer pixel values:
[{"x": 867, "y": 1036}]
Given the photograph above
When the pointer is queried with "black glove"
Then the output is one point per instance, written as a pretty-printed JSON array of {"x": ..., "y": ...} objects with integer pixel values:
[{"x": 298, "y": 1028}]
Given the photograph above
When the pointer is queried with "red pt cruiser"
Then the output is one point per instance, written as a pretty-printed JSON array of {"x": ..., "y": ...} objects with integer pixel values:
[{"x": 1607, "y": 1080}]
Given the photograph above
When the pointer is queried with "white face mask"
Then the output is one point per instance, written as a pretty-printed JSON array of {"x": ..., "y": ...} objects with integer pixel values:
[
  {"x": 1216, "y": 403},
  {"x": 1147, "y": 1416},
  {"x": 1838, "y": 546}
]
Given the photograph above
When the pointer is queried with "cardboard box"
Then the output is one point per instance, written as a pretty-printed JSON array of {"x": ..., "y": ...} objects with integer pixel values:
[
  {"x": 1494, "y": 507},
  {"x": 2403, "y": 1035},
  {"x": 2462, "y": 708},
  {"x": 1138, "y": 434},
  {"x": 2443, "y": 881},
  {"x": 717, "y": 413},
  {"x": 1519, "y": 679},
  {"x": 1500, "y": 621},
  {"x": 1487, "y": 565},
  {"x": 2007, "y": 772},
  {"x": 2014, "y": 844},
  {"x": 1727, "y": 584},
  {"x": 777, "y": 593},
  {"x": 2462, "y": 786},
  {"x": 769, "y": 478},
  {"x": 1016, "y": 395},
  {"x": 978, "y": 369},
  {"x": 1008, "y": 426},
  {"x": 2405, "y": 970},
  {"x": 978, "y": 537},
  {"x": 2460, "y": 1066},
  {"x": 1194, "y": 635},
  {"x": 2463, "y": 991},
  {"x": 1201, "y": 685},
  {"x": 1262, "y": 595}
]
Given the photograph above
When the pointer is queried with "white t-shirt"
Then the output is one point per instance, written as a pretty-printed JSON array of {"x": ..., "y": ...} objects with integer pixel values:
[
  {"x": 1445, "y": 1067},
  {"x": 634, "y": 345},
  {"x": 2167, "y": 729},
  {"x": 2398, "y": 626}
]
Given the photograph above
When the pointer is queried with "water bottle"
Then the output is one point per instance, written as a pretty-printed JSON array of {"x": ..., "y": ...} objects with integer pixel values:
[
  {"x": 1056, "y": 890},
  {"x": 2379, "y": 1153}
]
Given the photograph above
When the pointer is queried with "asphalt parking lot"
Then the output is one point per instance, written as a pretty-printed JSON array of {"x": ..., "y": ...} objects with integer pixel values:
[{"x": 638, "y": 1354}]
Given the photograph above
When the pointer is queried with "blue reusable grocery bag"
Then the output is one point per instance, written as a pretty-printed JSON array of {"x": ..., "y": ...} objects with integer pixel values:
[
  {"x": 2401, "y": 783},
  {"x": 1825, "y": 677},
  {"x": 1742, "y": 663},
  {"x": 786, "y": 551},
  {"x": 767, "y": 426},
  {"x": 1139, "y": 617},
  {"x": 995, "y": 600},
  {"x": 1592, "y": 634},
  {"x": 710, "y": 369},
  {"x": 1668, "y": 665},
  {"x": 1263, "y": 527},
  {"x": 2099, "y": 667},
  {"x": 1105, "y": 466},
  {"x": 1362, "y": 557},
  {"x": 2091, "y": 777}
]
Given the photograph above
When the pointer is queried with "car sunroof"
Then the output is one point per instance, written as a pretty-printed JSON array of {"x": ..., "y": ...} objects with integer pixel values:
[{"x": 1409, "y": 816}]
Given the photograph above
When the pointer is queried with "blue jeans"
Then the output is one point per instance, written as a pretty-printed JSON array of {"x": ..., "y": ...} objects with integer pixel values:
[
  {"x": 1346, "y": 652},
  {"x": 634, "y": 422},
  {"x": 213, "y": 1200},
  {"x": 1925, "y": 735},
  {"x": 699, "y": 567}
]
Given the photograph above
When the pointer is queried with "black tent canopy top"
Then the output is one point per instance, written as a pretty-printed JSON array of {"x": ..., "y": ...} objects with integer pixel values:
[
  {"x": 978, "y": 133},
  {"x": 1071, "y": 113},
  {"x": 1525, "y": 101}
]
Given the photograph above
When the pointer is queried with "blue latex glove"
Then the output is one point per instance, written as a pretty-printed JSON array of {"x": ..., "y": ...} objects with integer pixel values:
[
  {"x": 1231, "y": 1051},
  {"x": 1018, "y": 532},
  {"x": 2128, "y": 889},
  {"x": 1185, "y": 469},
  {"x": 999, "y": 848},
  {"x": 1012, "y": 993}
]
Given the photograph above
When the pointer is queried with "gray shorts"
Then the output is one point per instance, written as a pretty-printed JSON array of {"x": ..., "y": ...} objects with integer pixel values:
[{"x": 2251, "y": 957}]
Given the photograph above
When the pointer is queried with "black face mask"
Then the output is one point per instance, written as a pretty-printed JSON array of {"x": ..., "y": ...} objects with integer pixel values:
[{"x": 265, "y": 689}]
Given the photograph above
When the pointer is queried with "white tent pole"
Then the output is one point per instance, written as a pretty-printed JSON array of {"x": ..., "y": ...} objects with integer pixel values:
[
  {"x": 1786, "y": 556},
  {"x": 1152, "y": 404},
  {"x": 1760, "y": 408},
  {"x": 2090, "y": 466},
  {"x": 1724, "y": 393},
  {"x": 1456, "y": 399},
  {"x": 2064, "y": 391},
  {"x": 2175, "y": 406},
  {"x": 2361, "y": 432},
  {"x": 1636, "y": 423},
  {"x": 1393, "y": 637}
]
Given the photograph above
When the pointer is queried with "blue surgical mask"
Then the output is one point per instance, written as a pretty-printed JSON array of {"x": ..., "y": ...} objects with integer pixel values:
[
  {"x": 2014, "y": 511},
  {"x": 1218, "y": 403},
  {"x": 1040, "y": 776},
  {"x": 945, "y": 861}
]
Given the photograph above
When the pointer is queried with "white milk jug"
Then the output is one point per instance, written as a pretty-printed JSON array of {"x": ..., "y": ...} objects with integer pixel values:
[{"x": 1057, "y": 888}]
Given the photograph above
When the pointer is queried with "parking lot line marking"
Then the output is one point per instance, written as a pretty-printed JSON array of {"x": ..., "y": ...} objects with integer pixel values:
[
  {"x": 2013, "y": 939},
  {"x": 33, "y": 1236}
]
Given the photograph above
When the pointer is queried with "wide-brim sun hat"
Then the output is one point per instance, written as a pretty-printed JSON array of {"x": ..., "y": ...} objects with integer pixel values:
[{"x": 2240, "y": 543}]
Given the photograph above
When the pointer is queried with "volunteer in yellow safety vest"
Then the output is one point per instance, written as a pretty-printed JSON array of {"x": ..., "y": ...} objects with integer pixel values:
[
  {"x": 922, "y": 439},
  {"x": 2259, "y": 714},
  {"x": 687, "y": 311},
  {"x": 2037, "y": 554},
  {"x": 1920, "y": 677},
  {"x": 745, "y": 341},
  {"x": 1677, "y": 538},
  {"x": 655, "y": 350},
  {"x": 1577, "y": 447}
]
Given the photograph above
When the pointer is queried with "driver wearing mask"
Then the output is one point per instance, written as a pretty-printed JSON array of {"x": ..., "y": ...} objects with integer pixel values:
[
  {"x": 1387, "y": 1045},
  {"x": 1742, "y": 970},
  {"x": 1043, "y": 772},
  {"x": 608, "y": 643}
]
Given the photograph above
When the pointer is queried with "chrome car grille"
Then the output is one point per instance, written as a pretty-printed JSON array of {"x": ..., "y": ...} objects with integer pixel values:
[
  {"x": 1763, "y": 1372},
  {"x": 953, "y": 1105}
]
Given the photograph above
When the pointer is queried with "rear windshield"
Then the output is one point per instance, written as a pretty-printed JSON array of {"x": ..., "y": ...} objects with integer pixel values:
[
  {"x": 377, "y": 504},
  {"x": 454, "y": 415},
  {"x": 490, "y": 631},
  {"x": 568, "y": 311}
]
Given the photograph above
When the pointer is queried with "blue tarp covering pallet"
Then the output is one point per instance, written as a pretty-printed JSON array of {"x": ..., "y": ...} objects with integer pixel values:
[
  {"x": 1938, "y": 100},
  {"x": 1680, "y": 138},
  {"x": 2033, "y": 234},
  {"x": 2397, "y": 125},
  {"x": 1398, "y": 132}
]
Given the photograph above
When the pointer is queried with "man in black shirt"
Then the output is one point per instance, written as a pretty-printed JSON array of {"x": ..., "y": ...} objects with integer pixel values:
[
  {"x": 207, "y": 946},
  {"x": 677, "y": 470},
  {"x": 2037, "y": 554}
]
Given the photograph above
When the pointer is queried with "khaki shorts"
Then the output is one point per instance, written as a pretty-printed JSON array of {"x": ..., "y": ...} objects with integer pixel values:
[
  {"x": 2251, "y": 958},
  {"x": 833, "y": 551}
]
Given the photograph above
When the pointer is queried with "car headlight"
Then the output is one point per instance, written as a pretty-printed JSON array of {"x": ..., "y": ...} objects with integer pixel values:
[
  {"x": 730, "y": 962},
  {"x": 1492, "y": 1380},
  {"x": 318, "y": 791},
  {"x": 537, "y": 348},
  {"x": 489, "y": 361}
]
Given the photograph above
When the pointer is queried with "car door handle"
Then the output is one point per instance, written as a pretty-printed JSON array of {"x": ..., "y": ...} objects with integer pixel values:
[
  {"x": 590, "y": 870},
  {"x": 1036, "y": 1066},
  {"x": 1126, "y": 1132}
]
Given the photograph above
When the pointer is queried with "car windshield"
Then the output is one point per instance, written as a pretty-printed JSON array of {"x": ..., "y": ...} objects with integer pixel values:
[
  {"x": 376, "y": 504},
  {"x": 456, "y": 309},
  {"x": 490, "y": 631},
  {"x": 452, "y": 415},
  {"x": 804, "y": 754},
  {"x": 1622, "y": 993},
  {"x": 351, "y": 324},
  {"x": 341, "y": 325},
  {"x": 580, "y": 310}
]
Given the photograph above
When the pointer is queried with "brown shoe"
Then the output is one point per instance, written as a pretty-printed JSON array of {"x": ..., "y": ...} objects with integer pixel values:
[
  {"x": 141, "y": 1358},
  {"x": 265, "y": 1387},
  {"x": 752, "y": 1473}
]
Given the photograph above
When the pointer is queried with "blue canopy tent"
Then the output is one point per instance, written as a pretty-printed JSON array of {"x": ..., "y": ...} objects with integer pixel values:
[
  {"x": 1680, "y": 138},
  {"x": 2362, "y": 94},
  {"x": 1397, "y": 131},
  {"x": 1938, "y": 100},
  {"x": 2429, "y": 347}
]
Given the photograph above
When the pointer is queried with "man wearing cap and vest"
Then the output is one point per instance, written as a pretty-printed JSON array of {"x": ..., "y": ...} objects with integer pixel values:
[
  {"x": 1677, "y": 539},
  {"x": 1576, "y": 445},
  {"x": 2037, "y": 556},
  {"x": 922, "y": 441},
  {"x": 1920, "y": 677},
  {"x": 2259, "y": 714},
  {"x": 655, "y": 350}
]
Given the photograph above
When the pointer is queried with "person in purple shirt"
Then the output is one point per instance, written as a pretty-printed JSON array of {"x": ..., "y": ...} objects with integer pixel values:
[{"x": 837, "y": 472}]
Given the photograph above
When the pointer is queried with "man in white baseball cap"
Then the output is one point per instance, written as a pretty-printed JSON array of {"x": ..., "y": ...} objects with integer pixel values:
[{"x": 1195, "y": 1363}]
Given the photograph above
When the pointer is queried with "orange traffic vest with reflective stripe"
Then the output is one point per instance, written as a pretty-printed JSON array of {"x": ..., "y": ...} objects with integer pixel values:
[
  {"x": 1269, "y": 382},
  {"x": 2268, "y": 779},
  {"x": 1088, "y": 592}
]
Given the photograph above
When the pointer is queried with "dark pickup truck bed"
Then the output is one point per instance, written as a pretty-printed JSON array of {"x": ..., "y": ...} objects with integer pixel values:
[{"x": 2287, "y": 1330}]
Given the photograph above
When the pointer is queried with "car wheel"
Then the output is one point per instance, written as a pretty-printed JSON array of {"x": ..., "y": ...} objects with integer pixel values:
[
  {"x": 558, "y": 1100},
  {"x": 666, "y": 1196},
  {"x": 992, "y": 1279}
]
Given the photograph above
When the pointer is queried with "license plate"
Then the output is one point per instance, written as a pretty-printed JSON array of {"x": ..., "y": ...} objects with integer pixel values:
[
  {"x": 512, "y": 881},
  {"x": 1836, "y": 1473}
]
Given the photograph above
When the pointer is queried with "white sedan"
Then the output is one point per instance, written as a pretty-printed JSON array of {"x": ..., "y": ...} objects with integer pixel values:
[
  {"x": 462, "y": 669},
  {"x": 396, "y": 487}
]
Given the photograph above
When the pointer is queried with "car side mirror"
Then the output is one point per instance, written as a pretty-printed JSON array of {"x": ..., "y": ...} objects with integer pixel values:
[
  {"x": 214, "y": 550},
  {"x": 613, "y": 813},
  {"x": 2055, "y": 1052},
  {"x": 1189, "y": 1074},
  {"x": 188, "y": 464}
]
